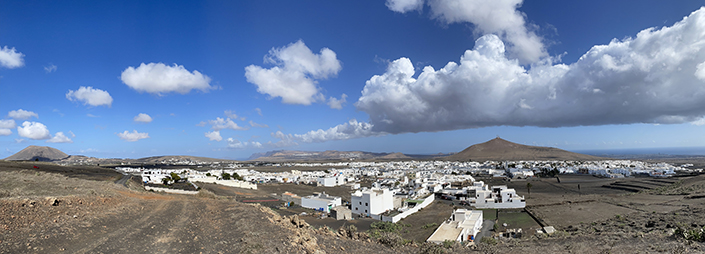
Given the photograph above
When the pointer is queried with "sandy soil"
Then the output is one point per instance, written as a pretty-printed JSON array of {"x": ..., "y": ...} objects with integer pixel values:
[
  {"x": 103, "y": 217},
  {"x": 81, "y": 210}
]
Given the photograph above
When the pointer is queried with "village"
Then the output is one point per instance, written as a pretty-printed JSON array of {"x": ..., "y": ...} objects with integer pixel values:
[{"x": 392, "y": 191}]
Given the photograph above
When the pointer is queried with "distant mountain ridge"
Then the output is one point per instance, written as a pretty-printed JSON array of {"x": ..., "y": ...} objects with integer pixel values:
[
  {"x": 45, "y": 153},
  {"x": 41, "y": 153},
  {"x": 290, "y": 155},
  {"x": 502, "y": 150}
]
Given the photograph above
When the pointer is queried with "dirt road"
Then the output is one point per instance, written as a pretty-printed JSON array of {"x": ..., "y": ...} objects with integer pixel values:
[{"x": 143, "y": 222}]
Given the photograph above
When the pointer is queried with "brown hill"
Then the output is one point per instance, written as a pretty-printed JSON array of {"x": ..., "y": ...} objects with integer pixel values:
[
  {"x": 501, "y": 150},
  {"x": 394, "y": 156},
  {"x": 41, "y": 153}
]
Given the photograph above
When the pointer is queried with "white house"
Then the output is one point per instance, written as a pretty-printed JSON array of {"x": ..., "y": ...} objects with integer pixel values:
[
  {"x": 463, "y": 225},
  {"x": 321, "y": 202},
  {"x": 372, "y": 201},
  {"x": 331, "y": 181},
  {"x": 498, "y": 197}
]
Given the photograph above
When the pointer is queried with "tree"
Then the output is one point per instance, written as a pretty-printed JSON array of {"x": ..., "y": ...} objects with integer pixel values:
[
  {"x": 225, "y": 176},
  {"x": 528, "y": 188},
  {"x": 175, "y": 176},
  {"x": 166, "y": 180}
]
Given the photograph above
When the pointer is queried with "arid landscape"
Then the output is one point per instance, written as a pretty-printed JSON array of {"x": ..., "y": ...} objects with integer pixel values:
[{"x": 80, "y": 209}]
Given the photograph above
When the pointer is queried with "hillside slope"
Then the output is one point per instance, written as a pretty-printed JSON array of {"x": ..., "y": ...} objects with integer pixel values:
[
  {"x": 41, "y": 153},
  {"x": 500, "y": 150}
]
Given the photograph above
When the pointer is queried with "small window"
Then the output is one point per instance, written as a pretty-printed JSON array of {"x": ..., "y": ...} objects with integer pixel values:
[
  {"x": 360, "y": 202},
  {"x": 366, "y": 204},
  {"x": 355, "y": 208}
]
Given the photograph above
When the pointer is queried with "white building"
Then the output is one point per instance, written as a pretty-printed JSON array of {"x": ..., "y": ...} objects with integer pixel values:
[
  {"x": 498, "y": 197},
  {"x": 463, "y": 225},
  {"x": 331, "y": 181},
  {"x": 321, "y": 202},
  {"x": 372, "y": 201}
]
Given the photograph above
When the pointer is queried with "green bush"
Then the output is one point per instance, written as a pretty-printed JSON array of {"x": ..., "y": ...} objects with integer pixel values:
[
  {"x": 697, "y": 234},
  {"x": 489, "y": 241},
  {"x": 430, "y": 225}
]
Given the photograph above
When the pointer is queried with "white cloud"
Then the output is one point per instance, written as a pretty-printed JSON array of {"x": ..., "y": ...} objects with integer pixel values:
[
  {"x": 646, "y": 79},
  {"x": 337, "y": 103},
  {"x": 499, "y": 17},
  {"x": 51, "y": 68},
  {"x": 33, "y": 130},
  {"x": 404, "y": 6},
  {"x": 220, "y": 124},
  {"x": 214, "y": 136},
  {"x": 256, "y": 125},
  {"x": 699, "y": 122},
  {"x": 350, "y": 130},
  {"x": 6, "y": 127},
  {"x": 7, "y": 124},
  {"x": 90, "y": 96},
  {"x": 72, "y": 135},
  {"x": 132, "y": 136},
  {"x": 10, "y": 58},
  {"x": 142, "y": 118},
  {"x": 20, "y": 140},
  {"x": 652, "y": 78},
  {"x": 259, "y": 111},
  {"x": 60, "y": 138},
  {"x": 230, "y": 114},
  {"x": 295, "y": 75},
  {"x": 157, "y": 78},
  {"x": 22, "y": 114},
  {"x": 236, "y": 144}
]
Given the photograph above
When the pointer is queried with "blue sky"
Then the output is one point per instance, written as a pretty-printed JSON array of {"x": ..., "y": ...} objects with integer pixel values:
[{"x": 227, "y": 79}]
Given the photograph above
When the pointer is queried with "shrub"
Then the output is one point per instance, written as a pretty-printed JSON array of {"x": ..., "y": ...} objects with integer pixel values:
[
  {"x": 488, "y": 241},
  {"x": 448, "y": 244},
  {"x": 430, "y": 225},
  {"x": 431, "y": 248},
  {"x": 697, "y": 234},
  {"x": 391, "y": 239}
]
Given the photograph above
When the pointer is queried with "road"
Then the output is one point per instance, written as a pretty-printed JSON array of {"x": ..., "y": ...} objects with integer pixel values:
[{"x": 124, "y": 179}]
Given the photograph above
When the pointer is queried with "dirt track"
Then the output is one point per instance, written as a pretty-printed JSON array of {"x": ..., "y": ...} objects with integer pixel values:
[
  {"x": 120, "y": 220},
  {"x": 44, "y": 212}
]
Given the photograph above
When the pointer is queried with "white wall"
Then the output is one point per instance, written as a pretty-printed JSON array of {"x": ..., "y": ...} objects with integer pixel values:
[
  {"x": 171, "y": 190},
  {"x": 231, "y": 183},
  {"x": 411, "y": 211}
]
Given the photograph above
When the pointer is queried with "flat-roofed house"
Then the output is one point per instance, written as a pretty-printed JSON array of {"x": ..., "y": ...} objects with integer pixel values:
[
  {"x": 321, "y": 202},
  {"x": 462, "y": 226}
]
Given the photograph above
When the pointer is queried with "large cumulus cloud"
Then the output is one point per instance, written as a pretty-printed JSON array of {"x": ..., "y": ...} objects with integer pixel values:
[
  {"x": 656, "y": 77},
  {"x": 499, "y": 17}
]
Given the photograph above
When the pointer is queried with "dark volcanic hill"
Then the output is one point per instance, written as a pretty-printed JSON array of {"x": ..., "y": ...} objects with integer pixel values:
[
  {"x": 42, "y": 153},
  {"x": 501, "y": 150}
]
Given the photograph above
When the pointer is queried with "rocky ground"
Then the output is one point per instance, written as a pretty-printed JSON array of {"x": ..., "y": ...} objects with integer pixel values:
[{"x": 74, "y": 211}]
